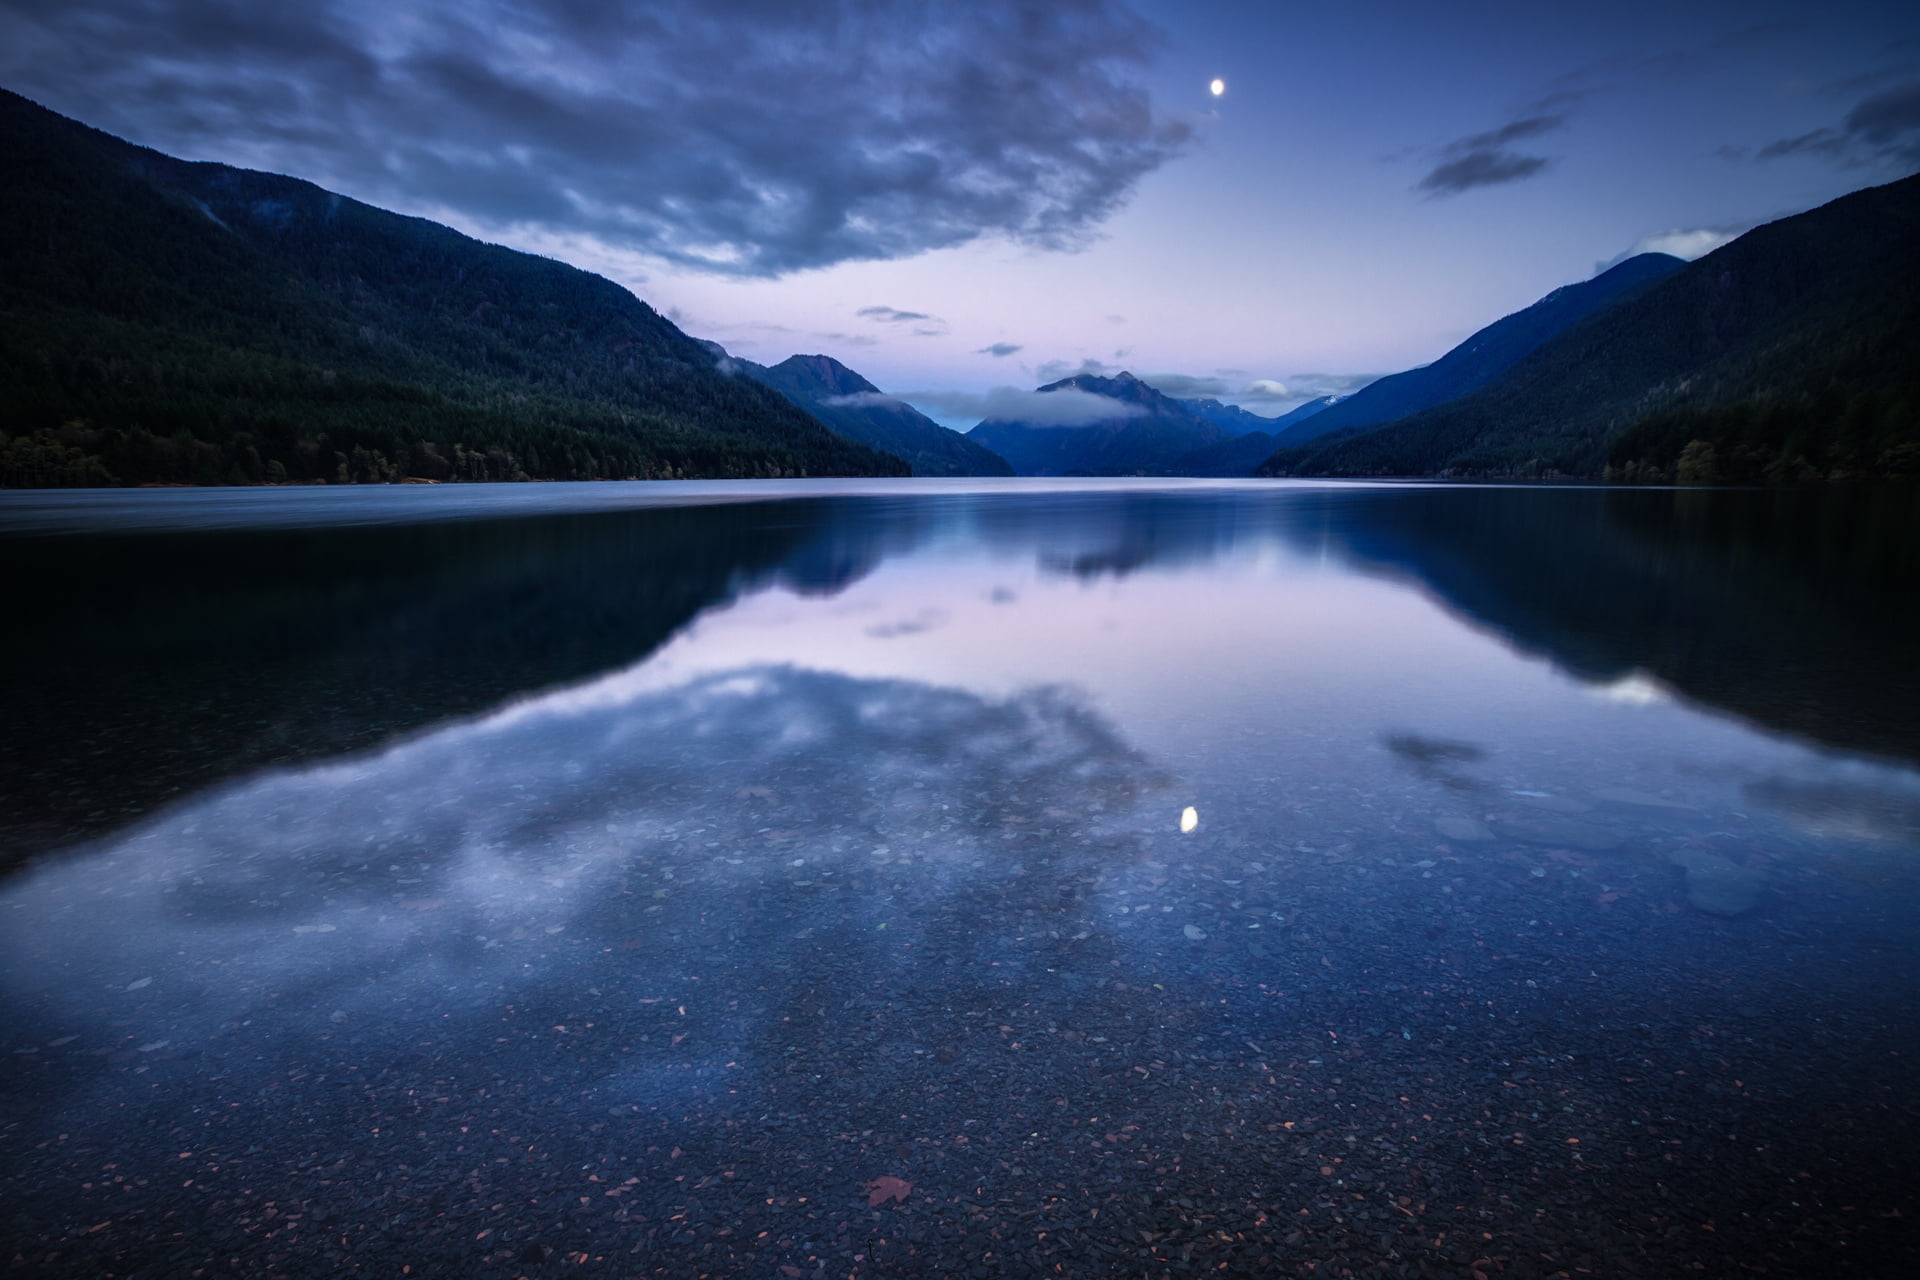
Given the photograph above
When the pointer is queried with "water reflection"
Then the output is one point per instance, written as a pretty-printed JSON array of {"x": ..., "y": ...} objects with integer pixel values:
[
  {"x": 1291, "y": 876},
  {"x": 723, "y": 833},
  {"x": 151, "y": 664}
]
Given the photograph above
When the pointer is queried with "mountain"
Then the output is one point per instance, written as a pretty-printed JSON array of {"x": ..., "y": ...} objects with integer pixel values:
[
  {"x": 1487, "y": 354},
  {"x": 1239, "y": 455},
  {"x": 167, "y": 321},
  {"x": 852, "y": 407},
  {"x": 1145, "y": 437},
  {"x": 1311, "y": 408},
  {"x": 1230, "y": 418},
  {"x": 1792, "y": 352},
  {"x": 1234, "y": 456}
]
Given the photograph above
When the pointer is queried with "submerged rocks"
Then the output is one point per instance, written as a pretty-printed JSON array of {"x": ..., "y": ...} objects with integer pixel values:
[
  {"x": 1717, "y": 885},
  {"x": 1629, "y": 798},
  {"x": 1465, "y": 830},
  {"x": 1564, "y": 833}
]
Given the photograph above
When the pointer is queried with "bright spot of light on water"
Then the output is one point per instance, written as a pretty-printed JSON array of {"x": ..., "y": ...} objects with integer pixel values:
[{"x": 1189, "y": 819}]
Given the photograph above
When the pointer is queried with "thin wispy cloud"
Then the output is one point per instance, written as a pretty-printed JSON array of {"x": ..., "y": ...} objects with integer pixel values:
[
  {"x": 922, "y": 324},
  {"x": 999, "y": 350},
  {"x": 1184, "y": 386},
  {"x": 1882, "y": 129},
  {"x": 1066, "y": 407},
  {"x": 730, "y": 136},
  {"x": 1055, "y": 370},
  {"x": 864, "y": 400},
  {"x": 1621, "y": 71},
  {"x": 1488, "y": 159}
]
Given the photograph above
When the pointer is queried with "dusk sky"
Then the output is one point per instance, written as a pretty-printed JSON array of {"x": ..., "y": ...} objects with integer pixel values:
[{"x": 955, "y": 197}]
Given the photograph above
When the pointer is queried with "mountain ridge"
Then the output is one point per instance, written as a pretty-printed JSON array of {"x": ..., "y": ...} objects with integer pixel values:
[
  {"x": 172, "y": 321},
  {"x": 849, "y": 405},
  {"x": 1151, "y": 430},
  {"x": 1790, "y": 353},
  {"x": 1486, "y": 353}
]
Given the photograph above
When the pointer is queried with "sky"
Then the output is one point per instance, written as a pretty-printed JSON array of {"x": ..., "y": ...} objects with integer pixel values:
[{"x": 958, "y": 198}]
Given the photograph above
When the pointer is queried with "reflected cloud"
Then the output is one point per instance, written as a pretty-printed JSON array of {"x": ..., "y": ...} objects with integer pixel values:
[
  {"x": 644, "y": 856},
  {"x": 1853, "y": 803},
  {"x": 1635, "y": 689},
  {"x": 1437, "y": 758},
  {"x": 925, "y": 620}
]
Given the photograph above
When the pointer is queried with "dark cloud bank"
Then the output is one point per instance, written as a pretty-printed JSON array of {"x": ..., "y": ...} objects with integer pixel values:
[{"x": 746, "y": 137}]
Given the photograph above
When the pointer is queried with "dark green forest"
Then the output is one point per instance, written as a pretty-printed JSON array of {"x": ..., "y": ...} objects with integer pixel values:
[
  {"x": 1791, "y": 354},
  {"x": 166, "y": 322}
]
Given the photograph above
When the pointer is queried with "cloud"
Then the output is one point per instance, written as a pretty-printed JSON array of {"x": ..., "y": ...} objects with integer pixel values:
[
  {"x": 1183, "y": 386},
  {"x": 1681, "y": 242},
  {"x": 1621, "y": 72},
  {"x": 864, "y": 400},
  {"x": 1489, "y": 159},
  {"x": 1298, "y": 388},
  {"x": 999, "y": 349},
  {"x": 733, "y": 136},
  {"x": 539, "y": 821},
  {"x": 1054, "y": 370},
  {"x": 1486, "y": 159},
  {"x": 1067, "y": 407},
  {"x": 1882, "y": 129},
  {"x": 1268, "y": 389},
  {"x": 1688, "y": 243},
  {"x": 925, "y": 326}
]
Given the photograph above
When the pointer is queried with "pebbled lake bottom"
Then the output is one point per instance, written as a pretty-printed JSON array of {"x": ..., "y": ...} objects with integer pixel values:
[{"x": 1099, "y": 879}]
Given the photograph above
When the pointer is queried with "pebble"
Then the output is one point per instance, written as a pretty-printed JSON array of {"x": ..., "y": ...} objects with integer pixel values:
[
  {"x": 1563, "y": 833},
  {"x": 1466, "y": 830},
  {"x": 1638, "y": 799},
  {"x": 1553, "y": 803},
  {"x": 1717, "y": 885}
]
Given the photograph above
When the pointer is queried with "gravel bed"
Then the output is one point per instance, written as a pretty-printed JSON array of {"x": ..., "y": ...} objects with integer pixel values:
[{"x": 937, "y": 987}]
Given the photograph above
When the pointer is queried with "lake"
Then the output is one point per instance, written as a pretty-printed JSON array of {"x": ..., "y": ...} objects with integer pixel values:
[{"x": 960, "y": 878}]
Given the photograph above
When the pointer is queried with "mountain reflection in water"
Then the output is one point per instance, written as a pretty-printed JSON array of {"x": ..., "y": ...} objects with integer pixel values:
[{"x": 1390, "y": 877}]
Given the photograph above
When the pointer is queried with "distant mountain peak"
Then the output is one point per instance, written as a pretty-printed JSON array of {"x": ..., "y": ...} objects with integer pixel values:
[
  {"x": 827, "y": 374},
  {"x": 856, "y": 409}
]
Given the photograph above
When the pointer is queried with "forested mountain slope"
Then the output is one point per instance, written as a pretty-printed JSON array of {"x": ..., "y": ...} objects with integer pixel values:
[
  {"x": 166, "y": 321},
  {"x": 1791, "y": 353}
]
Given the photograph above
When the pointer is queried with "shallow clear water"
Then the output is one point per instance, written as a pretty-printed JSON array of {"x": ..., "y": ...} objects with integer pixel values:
[{"x": 1150, "y": 879}]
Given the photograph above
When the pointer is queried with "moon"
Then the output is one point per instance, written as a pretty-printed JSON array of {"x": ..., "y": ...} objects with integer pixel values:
[{"x": 1218, "y": 87}]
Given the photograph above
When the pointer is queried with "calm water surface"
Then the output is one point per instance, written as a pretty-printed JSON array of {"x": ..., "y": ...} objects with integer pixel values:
[{"x": 927, "y": 879}]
